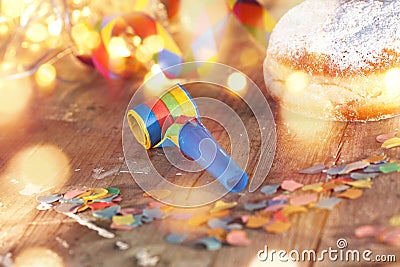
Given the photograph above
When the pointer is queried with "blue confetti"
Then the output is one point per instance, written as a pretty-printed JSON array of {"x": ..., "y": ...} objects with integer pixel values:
[
  {"x": 256, "y": 206},
  {"x": 360, "y": 175},
  {"x": 211, "y": 243},
  {"x": 107, "y": 212},
  {"x": 328, "y": 203},
  {"x": 270, "y": 189},
  {"x": 175, "y": 238},
  {"x": 219, "y": 223},
  {"x": 276, "y": 202}
]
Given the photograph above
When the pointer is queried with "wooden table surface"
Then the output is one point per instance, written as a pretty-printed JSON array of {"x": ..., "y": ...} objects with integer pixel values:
[{"x": 84, "y": 120}]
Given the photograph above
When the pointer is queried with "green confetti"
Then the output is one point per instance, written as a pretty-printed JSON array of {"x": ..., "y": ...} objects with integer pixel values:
[{"x": 389, "y": 167}]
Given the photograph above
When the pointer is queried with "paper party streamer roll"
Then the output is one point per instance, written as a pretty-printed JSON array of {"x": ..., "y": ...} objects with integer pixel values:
[{"x": 174, "y": 120}]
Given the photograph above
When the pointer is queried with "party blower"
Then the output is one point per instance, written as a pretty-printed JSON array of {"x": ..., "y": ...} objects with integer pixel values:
[{"x": 174, "y": 120}]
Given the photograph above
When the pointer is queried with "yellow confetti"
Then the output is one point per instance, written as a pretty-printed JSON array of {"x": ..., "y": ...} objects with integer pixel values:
[
  {"x": 82, "y": 208},
  {"x": 289, "y": 210},
  {"x": 198, "y": 220},
  {"x": 278, "y": 227},
  {"x": 221, "y": 205},
  {"x": 157, "y": 194},
  {"x": 257, "y": 222},
  {"x": 218, "y": 233},
  {"x": 395, "y": 221},
  {"x": 362, "y": 183},
  {"x": 392, "y": 142},
  {"x": 376, "y": 159},
  {"x": 96, "y": 193},
  {"x": 123, "y": 220},
  {"x": 317, "y": 187},
  {"x": 352, "y": 193}
]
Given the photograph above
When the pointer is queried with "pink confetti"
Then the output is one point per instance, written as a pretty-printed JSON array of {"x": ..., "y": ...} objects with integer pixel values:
[
  {"x": 117, "y": 199},
  {"x": 245, "y": 218},
  {"x": 133, "y": 211},
  {"x": 238, "y": 238},
  {"x": 303, "y": 199},
  {"x": 383, "y": 137},
  {"x": 368, "y": 231},
  {"x": 280, "y": 197},
  {"x": 390, "y": 236},
  {"x": 121, "y": 227},
  {"x": 73, "y": 193},
  {"x": 155, "y": 204},
  {"x": 291, "y": 185}
]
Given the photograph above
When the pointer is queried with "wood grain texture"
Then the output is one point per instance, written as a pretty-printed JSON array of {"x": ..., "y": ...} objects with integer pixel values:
[{"x": 84, "y": 119}]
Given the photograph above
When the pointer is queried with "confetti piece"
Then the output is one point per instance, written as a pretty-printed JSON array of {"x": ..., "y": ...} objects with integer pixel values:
[
  {"x": 64, "y": 207},
  {"x": 281, "y": 197},
  {"x": 107, "y": 212},
  {"x": 373, "y": 168},
  {"x": 390, "y": 236},
  {"x": 316, "y": 187},
  {"x": 133, "y": 211},
  {"x": 121, "y": 227},
  {"x": 334, "y": 170},
  {"x": 278, "y": 227},
  {"x": 72, "y": 201},
  {"x": 270, "y": 189},
  {"x": 218, "y": 233},
  {"x": 273, "y": 202},
  {"x": 157, "y": 194},
  {"x": 383, "y": 137},
  {"x": 352, "y": 193},
  {"x": 96, "y": 193},
  {"x": 198, "y": 220},
  {"x": 358, "y": 175},
  {"x": 362, "y": 183},
  {"x": 395, "y": 221},
  {"x": 175, "y": 238},
  {"x": 219, "y": 223},
  {"x": 44, "y": 206},
  {"x": 211, "y": 243},
  {"x": 328, "y": 203},
  {"x": 237, "y": 238},
  {"x": 221, "y": 205},
  {"x": 234, "y": 226},
  {"x": 354, "y": 166},
  {"x": 291, "y": 185},
  {"x": 314, "y": 169},
  {"x": 106, "y": 199},
  {"x": 123, "y": 220},
  {"x": 144, "y": 258},
  {"x": 341, "y": 188},
  {"x": 255, "y": 206},
  {"x": 113, "y": 190},
  {"x": 391, "y": 143},
  {"x": 303, "y": 199},
  {"x": 368, "y": 231},
  {"x": 49, "y": 198},
  {"x": 375, "y": 159},
  {"x": 289, "y": 210},
  {"x": 275, "y": 208},
  {"x": 389, "y": 167},
  {"x": 155, "y": 213},
  {"x": 100, "y": 205},
  {"x": 183, "y": 216},
  {"x": 73, "y": 193},
  {"x": 254, "y": 222}
]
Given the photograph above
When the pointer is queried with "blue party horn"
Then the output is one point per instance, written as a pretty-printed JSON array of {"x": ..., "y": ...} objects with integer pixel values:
[{"x": 174, "y": 120}]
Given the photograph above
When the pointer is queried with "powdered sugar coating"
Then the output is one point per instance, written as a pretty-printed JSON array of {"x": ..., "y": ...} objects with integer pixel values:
[{"x": 343, "y": 36}]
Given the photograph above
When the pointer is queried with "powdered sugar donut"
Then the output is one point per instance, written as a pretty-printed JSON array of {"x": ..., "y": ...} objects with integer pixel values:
[{"x": 337, "y": 59}]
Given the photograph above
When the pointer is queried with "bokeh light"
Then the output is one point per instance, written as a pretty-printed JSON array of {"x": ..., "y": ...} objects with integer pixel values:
[
  {"x": 45, "y": 76},
  {"x": 55, "y": 27},
  {"x": 36, "y": 32},
  {"x": 117, "y": 48},
  {"x": 237, "y": 82},
  {"x": 42, "y": 165},
  {"x": 38, "y": 257},
  {"x": 392, "y": 82},
  {"x": 12, "y": 8},
  {"x": 297, "y": 81},
  {"x": 154, "y": 43},
  {"x": 15, "y": 96}
]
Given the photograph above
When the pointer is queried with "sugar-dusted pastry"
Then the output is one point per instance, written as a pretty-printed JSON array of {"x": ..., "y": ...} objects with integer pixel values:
[{"x": 337, "y": 59}]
